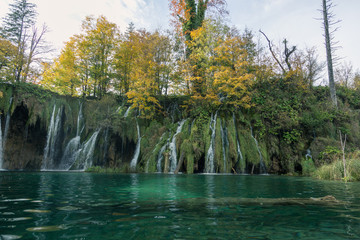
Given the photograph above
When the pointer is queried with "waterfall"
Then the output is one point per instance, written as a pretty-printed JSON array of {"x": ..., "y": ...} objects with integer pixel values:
[
  {"x": 172, "y": 146},
  {"x": 262, "y": 165},
  {"x": 238, "y": 148},
  {"x": 225, "y": 144},
  {"x": 308, "y": 154},
  {"x": 134, "y": 161},
  {"x": 1, "y": 148},
  {"x": 153, "y": 152},
  {"x": 209, "y": 163},
  {"x": 80, "y": 121},
  {"x": 118, "y": 109},
  {"x": 76, "y": 155},
  {"x": 53, "y": 134},
  {"x": 160, "y": 157},
  {"x": 87, "y": 152},
  {"x": 70, "y": 154},
  {"x": 127, "y": 112}
]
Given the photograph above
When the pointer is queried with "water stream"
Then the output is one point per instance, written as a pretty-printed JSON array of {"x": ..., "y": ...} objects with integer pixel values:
[
  {"x": 52, "y": 137},
  {"x": 262, "y": 165},
  {"x": 173, "y": 150},
  {"x": 240, "y": 158},
  {"x": 135, "y": 159},
  {"x": 225, "y": 144},
  {"x": 209, "y": 163}
]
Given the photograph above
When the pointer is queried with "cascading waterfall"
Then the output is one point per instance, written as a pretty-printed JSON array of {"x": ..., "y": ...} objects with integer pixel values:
[
  {"x": 134, "y": 161},
  {"x": 153, "y": 152},
  {"x": 262, "y": 165},
  {"x": 172, "y": 146},
  {"x": 80, "y": 121},
  {"x": 86, "y": 153},
  {"x": 127, "y": 112},
  {"x": 308, "y": 154},
  {"x": 69, "y": 156},
  {"x": 225, "y": 144},
  {"x": 79, "y": 156},
  {"x": 160, "y": 157},
  {"x": 53, "y": 134},
  {"x": 209, "y": 163},
  {"x": 240, "y": 157}
]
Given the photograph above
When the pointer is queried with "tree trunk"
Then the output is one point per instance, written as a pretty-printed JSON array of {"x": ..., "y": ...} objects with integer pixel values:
[{"x": 329, "y": 52}]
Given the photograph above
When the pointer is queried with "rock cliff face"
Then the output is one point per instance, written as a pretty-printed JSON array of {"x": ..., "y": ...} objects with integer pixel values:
[
  {"x": 23, "y": 147},
  {"x": 45, "y": 131}
]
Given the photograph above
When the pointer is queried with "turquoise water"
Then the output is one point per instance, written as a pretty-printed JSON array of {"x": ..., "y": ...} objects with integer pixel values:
[{"x": 97, "y": 206}]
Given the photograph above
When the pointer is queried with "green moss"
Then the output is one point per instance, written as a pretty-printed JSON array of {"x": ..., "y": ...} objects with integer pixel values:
[
  {"x": 248, "y": 147},
  {"x": 218, "y": 157},
  {"x": 187, "y": 149},
  {"x": 233, "y": 155}
]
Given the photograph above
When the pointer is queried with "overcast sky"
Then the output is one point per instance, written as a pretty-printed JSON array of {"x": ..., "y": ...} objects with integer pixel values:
[{"x": 279, "y": 19}]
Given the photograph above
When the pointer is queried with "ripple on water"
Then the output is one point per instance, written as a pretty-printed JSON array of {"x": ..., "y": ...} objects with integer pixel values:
[
  {"x": 10, "y": 237},
  {"x": 15, "y": 219},
  {"x": 47, "y": 228},
  {"x": 17, "y": 200},
  {"x": 36, "y": 211},
  {"x": 68, "y": 208}
]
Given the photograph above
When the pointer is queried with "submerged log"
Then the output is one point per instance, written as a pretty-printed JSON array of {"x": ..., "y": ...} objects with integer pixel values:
[{"x": 326, "y": 201}]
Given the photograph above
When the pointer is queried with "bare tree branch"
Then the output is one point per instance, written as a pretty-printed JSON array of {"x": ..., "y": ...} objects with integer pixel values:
[{"x": 272, "y": 52}]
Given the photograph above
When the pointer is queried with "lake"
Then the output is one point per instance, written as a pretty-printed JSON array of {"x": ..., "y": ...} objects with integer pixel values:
[{"x": 73, "y": 205}]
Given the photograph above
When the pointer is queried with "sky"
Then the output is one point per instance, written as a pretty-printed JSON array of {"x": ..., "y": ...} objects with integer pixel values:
[{"x": 295, "y": 20}]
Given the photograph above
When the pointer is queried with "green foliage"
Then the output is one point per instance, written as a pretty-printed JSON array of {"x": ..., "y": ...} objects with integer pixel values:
[
  {"x": 292, "y": 136},
  {"x": 329, "y": 154},
  {"x": 308, "y": 167}
]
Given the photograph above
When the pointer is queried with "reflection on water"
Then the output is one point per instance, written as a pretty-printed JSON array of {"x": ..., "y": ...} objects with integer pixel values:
[{"x": 94, "y": 206}]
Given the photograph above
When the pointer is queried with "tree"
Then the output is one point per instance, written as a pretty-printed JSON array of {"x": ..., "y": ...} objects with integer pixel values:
[
  {"x": 344, "y": 74},
  {"x": 36, "y": 49},
  {"x": 100, "y": 37},
  {"x": 7, "y": 54},
  {"x": 313, "y": 67},
  {"x": 143, "y": 86},
  {"x": 189, "y": 15},
  {"x": 86, "y": 63},
  {"x": 124, "y": 59},
  {"x": 198, "y": 62},
  {"x": 356, "y": 80},
  {"x": 328, "y": 23},
  {"x": 231, "y": 72},
  {"x": 63, "y": 75},
  {"x": 16, "y": 28}
]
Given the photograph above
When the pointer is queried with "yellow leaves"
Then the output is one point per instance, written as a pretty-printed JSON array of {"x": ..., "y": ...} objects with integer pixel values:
[{"x": 231, "y": 77}]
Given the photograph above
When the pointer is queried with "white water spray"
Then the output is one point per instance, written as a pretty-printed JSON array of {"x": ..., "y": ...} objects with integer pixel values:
[
  {"x": 134, "y": 161},
  {"x": 209, "y": 163},
  {"x": 262, "y": 165},
  {"x": 172, "y": 146}
]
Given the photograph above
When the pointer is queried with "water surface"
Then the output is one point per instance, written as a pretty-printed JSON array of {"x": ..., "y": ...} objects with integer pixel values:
[{"x": 98, "y": 206}]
